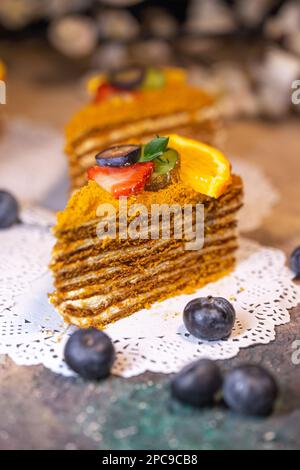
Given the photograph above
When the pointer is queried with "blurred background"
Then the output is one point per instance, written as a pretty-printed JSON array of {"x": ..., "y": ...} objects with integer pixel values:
[{"x": 246, "y": 52}]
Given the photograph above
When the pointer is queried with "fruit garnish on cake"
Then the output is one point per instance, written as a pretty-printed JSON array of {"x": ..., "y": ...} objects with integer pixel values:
[
  {"x": 100, "y": 280},
  {"x": 127, "y": 169},
  {"x": 130, "y": 80},
  {"x": 137, "y": 103}
]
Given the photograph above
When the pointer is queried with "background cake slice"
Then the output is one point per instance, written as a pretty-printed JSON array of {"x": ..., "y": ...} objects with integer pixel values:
[
  {"x": 123, "y": 108},
  {"x": 100, "y": 280}
]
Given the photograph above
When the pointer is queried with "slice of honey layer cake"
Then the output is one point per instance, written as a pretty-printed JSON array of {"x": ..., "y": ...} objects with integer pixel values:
[
  {"x": 137, "y": 103},
  {"x": 103, "y": 273}
]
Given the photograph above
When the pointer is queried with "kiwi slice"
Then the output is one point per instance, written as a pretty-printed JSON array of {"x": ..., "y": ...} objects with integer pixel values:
[
  {"x": 165, "y": 170},
  {"x": 154, "y": 79}
]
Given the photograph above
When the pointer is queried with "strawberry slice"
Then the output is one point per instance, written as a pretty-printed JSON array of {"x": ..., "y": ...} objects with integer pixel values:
[
  {"x": 122, "y": 181},
  {"x": 104, "y": 91}
]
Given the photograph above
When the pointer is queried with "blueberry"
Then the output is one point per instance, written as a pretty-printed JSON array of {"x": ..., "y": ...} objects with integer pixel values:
[
  {"x": 9, "y": 210},
  {"x": 295, "y": 261},
  {"x": 250, "y": 390},
  {"x": 209, "y": 318},
  {"x": 119, "y": 156},
  {"x": 128, "y": 78},
  {"x": 90, "y": 353},
  {"x": 197, "y": 383}
]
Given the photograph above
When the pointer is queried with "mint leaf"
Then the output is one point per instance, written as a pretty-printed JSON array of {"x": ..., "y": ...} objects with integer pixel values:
[
  {"x": 149, "y": 158},
  {"x": 154, "y": 149},
  {"x": 159, "y": 144}
]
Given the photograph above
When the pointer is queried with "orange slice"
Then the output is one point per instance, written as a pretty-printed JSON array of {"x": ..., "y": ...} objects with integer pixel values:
[
  {"x": 175, "y": 76},
  {"x": 202, "y": 167},
  {"x": 94, "y": 82}
]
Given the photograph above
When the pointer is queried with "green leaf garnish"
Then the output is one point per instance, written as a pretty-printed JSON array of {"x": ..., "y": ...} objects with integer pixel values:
[{"x": 155, "y": 148}]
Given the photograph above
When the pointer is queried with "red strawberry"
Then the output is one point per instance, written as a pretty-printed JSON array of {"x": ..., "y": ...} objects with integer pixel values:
[
  {"x": 104, "y": 91},
  {"x": 122, "y": 181}
]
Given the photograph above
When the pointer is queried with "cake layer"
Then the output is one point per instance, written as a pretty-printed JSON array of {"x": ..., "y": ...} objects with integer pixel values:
[
  {"x": 183, "y": 281},
  {"x": 79, "y": 219},
  {"x": 96, "y": 297},
  {"x": 125, "y": 250},
  {"x": 82, "y": 237},
  {"x": 81, "y": 248},
  {"x": 163, "y": 102},
  {"x": 117, "y": 268},
  {"x": 143, "y": 257},
  {"x": 84, "y": 152},
  {"x": 99, "y": 137},
  {"x": 101, "y": 291}
]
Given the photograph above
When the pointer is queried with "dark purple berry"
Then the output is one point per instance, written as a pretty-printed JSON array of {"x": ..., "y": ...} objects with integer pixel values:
[
  {"x": 295, "y": 261},
  {"x": 128, "y": 78},
  {"x": 251, "y": 390},
  {"x": 209, "y": 318},
  {"x": 197, "y": 383},
  {"x": 9, "y": 210},
  {"x": 90, "y": 353},
  {"x": 118, "y": 156}
]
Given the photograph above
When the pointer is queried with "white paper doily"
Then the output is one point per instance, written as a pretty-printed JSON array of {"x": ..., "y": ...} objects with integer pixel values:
[
  {"x": 39, "y": 149},
  {"x": 31, "y": 332}
]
